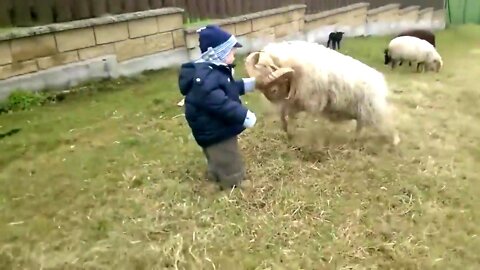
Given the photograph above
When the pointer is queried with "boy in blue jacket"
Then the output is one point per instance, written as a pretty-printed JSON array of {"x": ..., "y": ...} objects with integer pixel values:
[{"x": 213, "y": 108}]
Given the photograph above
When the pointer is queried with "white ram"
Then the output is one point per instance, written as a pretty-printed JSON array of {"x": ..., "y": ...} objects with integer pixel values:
[
  {"x": 304, "y": 76},
  {"x": 409, "y": 48}
]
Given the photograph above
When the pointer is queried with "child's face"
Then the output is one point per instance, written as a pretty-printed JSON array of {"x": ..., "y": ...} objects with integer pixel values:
[{"x": 231, "y": 57}]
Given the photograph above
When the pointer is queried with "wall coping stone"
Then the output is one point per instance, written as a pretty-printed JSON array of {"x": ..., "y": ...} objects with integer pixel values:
[
  {"x": 335, "y": 11},
  {"x": 383, "y": 9},
  {"x": 20, "y": 32},
  {"x": 409, "y": 8},
  {"x": 425, "y": 10},
  {"x": 250, "y": 16}
]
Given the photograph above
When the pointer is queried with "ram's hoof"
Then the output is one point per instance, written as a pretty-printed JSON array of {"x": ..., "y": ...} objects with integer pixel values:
[{"x": 396, "y": 140}]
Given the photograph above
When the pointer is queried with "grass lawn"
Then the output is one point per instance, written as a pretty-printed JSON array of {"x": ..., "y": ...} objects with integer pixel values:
[{"x": 112, "y": 179}]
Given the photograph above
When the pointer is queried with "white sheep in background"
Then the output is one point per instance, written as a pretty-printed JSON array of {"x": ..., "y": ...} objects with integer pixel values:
[
  {"x": 409, "y": 48},
  {"x": 304, "y": 76}
]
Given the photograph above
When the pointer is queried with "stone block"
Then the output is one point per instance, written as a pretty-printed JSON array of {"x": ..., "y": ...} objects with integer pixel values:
[
  {"x": 97, "y": 51},
  {"x": 142, "y": 27},
  {"x": 298, "y": 15},
  {"x": 426, "y": 14},
  {"x": 5, "y": 54},
  {"x": 109, "y": 33},
  {"x": 159, "y": 42},
  {"x": 262, "y": 37},
  {"x": 170, "y": 22},
  {"x": 266, "y": 22},
  {"x": 178, "y": 38},
  {"x": 75, "y": 39},
  {"x": 390, "y": 15},
  {"x": 312, "y": 25},
  {"x": 243, "y": 28},
  {"x": 17, "y": 69},
  {"x": 33, "y": 47},
  {"x": 192, "y": 40},
  {"x": 286, "y": 29},
  {"x": 130, "y": 48},
  {"x": 439, "y": 15},
  {"x": 57, "y": 60},
  {"x": 229, "y": 28},
  {"x": 301, "y": 25},
  {"x": 354, "y": 21},
  {"x": 193, "y": 54}
]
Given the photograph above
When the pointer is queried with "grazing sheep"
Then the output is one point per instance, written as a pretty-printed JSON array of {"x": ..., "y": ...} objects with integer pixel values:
[
  {"x": 303, "y": 76},
  {"x": 419, "y": 33},
  {"x": 335, "y": 38},
  {"x": 413, "y": 49}
]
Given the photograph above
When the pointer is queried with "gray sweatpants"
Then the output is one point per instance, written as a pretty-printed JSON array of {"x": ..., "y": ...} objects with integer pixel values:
[{"x": 225, "y": 163}]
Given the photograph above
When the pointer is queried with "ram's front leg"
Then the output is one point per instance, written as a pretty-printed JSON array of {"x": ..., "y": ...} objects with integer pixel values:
[
  {"x": 286, "y": 115},
  {"x": 283, "y": 117}
]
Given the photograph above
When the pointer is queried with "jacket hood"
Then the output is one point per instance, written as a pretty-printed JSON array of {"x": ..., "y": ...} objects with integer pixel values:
[
  {"x": 185, "y": 79},
  {"x": 190, "y": 71}
]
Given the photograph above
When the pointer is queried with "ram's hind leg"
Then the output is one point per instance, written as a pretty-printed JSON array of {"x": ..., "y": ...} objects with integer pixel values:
[{"x": 360, "y": 127}]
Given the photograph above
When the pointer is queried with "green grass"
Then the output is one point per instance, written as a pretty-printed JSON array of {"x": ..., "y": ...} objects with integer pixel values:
[
  {"x": 196, "y": 22},
  {"x": 113, "y": 180}
]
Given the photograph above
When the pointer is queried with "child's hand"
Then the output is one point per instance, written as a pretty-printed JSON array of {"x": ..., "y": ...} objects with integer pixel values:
[
  {"x": 249, "y": 84},
  {"x": 250, "y": 120}
]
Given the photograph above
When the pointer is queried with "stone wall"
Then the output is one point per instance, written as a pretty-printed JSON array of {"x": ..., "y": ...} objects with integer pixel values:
[
  {"x": 425, "y": 17},
  {"x": 358, "y": 20},
  {"x": 255, "y": 29},
  {"x": 349, "y": 19},
  {"x": 63, "y": 55},
  {"x": 390, "y": 19},
  {"x": 126, "y": 37},
  {"x": 439, "y": 20}
]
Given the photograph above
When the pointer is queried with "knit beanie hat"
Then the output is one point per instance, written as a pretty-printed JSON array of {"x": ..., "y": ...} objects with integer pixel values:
[{"x": 222, "y": 42}]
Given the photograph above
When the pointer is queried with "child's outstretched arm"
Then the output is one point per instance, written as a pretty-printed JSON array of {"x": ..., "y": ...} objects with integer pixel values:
[{"x": 245, "y": 85}]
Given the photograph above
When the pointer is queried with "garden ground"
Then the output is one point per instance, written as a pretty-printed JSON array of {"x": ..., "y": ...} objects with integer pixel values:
[{"x": 110, "y": 178}]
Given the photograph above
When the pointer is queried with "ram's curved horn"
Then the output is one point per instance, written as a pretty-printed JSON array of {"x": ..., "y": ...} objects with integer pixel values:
[
  {"x": 266, "y": 60},
  {"x": 281, "y": 73},
  {"x": 286, "y": 75},
  {"x": 250, "y": 61}
]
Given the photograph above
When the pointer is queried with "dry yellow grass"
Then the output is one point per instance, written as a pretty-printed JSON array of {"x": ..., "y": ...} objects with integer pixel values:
[{"x": 114, "y": 180}]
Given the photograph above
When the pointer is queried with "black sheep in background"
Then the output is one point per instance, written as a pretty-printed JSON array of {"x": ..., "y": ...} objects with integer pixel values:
[
  {"x": 421, "y": 34},
  {"x": 335, "y": 38}
]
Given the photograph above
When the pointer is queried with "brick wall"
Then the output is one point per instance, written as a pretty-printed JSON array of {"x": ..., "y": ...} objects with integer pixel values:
[{"x": 125, "y": 36}]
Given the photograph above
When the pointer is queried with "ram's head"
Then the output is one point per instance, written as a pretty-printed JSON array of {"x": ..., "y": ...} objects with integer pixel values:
[{"x": 273, "y": 81}]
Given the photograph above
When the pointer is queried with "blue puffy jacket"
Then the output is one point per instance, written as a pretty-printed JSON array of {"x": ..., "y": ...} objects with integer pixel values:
[{"x": 213, "y": 108}]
